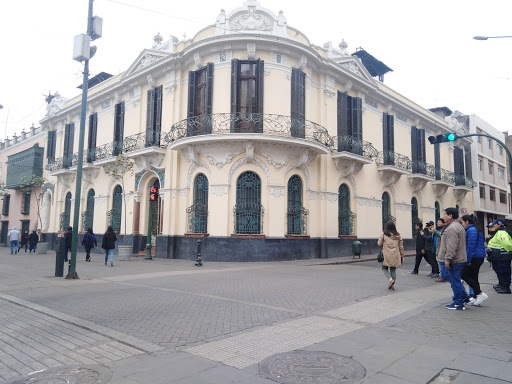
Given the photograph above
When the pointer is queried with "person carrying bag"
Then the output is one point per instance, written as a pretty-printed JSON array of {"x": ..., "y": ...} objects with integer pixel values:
[{"x": 393, "y": 252}]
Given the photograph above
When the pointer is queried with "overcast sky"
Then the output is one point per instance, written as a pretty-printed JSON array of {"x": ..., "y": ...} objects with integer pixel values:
[{"x": 428, "y": 45}]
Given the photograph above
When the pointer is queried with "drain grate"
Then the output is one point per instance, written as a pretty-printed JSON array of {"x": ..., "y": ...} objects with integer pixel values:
[
  {"x": 67, "y": 375},
  {"x": 312, "y": 367}
]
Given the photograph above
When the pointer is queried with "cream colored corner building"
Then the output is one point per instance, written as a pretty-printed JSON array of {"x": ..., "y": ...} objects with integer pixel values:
[{"x": 262, "y": 144}]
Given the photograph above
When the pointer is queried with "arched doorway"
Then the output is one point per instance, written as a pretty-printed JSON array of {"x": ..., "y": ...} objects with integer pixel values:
[
  {"x": 414, "y": 215},
  {"x": 88, "y": 215},
  {"x": 386, "y": 209},
  {"x": 296, "y": 214},
  {"x": 198, "y": 212},
  {"x": 115, "y": 213},
  {"x": 248, "y": 210},
  {"x": 155, "y": 207},
  {"x": 345, "y": 216},
  {"x": 65, "y": 216}
]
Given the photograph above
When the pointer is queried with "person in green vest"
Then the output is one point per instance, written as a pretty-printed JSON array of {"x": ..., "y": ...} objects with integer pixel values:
[{"x": 498, "y": 253}]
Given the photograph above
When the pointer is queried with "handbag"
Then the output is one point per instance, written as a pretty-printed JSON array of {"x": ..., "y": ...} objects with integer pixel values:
[{"x": 380, "y": 257}]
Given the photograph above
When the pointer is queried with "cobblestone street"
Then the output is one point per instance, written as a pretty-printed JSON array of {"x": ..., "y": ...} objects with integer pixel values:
[{"x": 164, "y": 321}]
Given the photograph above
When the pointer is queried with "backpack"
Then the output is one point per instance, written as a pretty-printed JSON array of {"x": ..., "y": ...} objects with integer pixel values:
[{"x": 89, "y": 240}]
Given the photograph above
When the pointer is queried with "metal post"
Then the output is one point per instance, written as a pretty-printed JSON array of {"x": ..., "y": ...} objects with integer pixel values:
[
  {"x": 198, "y": 260},
  {"x": 148, "y": 240},
  {"x": 78, "y": 187}
]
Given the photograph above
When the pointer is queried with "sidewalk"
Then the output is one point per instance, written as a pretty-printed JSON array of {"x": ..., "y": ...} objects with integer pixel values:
[{"x": 166, "y": 321}]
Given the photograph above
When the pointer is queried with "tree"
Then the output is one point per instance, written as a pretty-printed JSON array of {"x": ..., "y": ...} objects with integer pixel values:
[
  {"x": 122, "y": 170},
  {"x": 34, "y": 184}
]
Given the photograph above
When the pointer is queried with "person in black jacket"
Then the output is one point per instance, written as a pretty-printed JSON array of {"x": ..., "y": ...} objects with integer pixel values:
[
  {"x": 420, "y": 248},
  {"x": 89, "y": 241},
  {"x": 68, "y": 236},
  {"x": 108, "y": 243},
  {"x": 33, "y": 239},
  {"x": 428, "y": 235},
  {"x": 24, "y": 240}
]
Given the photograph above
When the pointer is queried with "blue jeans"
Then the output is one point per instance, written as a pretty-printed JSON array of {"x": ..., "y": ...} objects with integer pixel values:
[
  {"x": 14, "y": 243},
  {"x": 111, "y": 253},
  {"x": 444, "y": 271},
  {"x": 454, "y": 277},
  {"x": 32, "y": 247}
]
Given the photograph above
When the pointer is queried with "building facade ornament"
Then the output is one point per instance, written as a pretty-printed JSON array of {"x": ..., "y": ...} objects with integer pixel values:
[
  {"x": 55, "y": 105},
  {"x": 404, "y": 207},
  {"x": 277, "y": 190},
  {"x": 219, "y": 189},
  {"x": 368, "y": 202}
]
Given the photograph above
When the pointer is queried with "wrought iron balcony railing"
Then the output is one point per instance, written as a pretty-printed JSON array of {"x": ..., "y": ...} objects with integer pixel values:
[
  {"x": 248, "y": 218},
  {"x": 468, "y": 182},
  {"x": 233, "y": 123},
  {"x": 395, "y": 159},
  {"x": 114, "y": 219},
  {"x": 445, "y": 175},
  {"x": 353, "y": 145},
  {"x": 346, "y": 223},
  {"x": 420, "y": 167},
  {"x": 297, "y": 220},
  {"x": 128, "y": 144},
  {"x": 87, "y": 217},
  {"x": 197, "y": 218}
]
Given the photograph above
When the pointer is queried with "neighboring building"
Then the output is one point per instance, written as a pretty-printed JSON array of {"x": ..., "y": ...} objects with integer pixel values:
[
  {"x": 490, "y": 170},
  {"x": 267, "y": 146},
  {"x": 20, "y": 157}
]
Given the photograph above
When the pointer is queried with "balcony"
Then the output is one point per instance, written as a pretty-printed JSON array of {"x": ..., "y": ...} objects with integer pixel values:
[
  {"x": 392, "y": 166},
  {"x": 463, "y": 185},
  {"x": 422, "y": 173},
  {"x": 209, "y": 133},
  {"x": 139, "y": 146},
  {"x": 352, "y": 154},
  {"x": 248, "y": 220},
  {"x": 197, "y": 218},
  {"x": 297, "y": 220},
  {"x": 443, "y": 180}
]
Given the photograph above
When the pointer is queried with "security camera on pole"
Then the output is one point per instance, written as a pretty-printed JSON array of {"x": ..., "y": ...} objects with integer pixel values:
[{"x": 82, "y": 51}]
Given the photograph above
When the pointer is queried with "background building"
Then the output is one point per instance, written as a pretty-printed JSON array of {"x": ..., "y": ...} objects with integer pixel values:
[{"x": 265, "y": 145}]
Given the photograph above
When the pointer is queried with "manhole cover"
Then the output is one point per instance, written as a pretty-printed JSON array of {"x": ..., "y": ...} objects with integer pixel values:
[
  {"x": 67, "y": 375},
  {"x": 311, "y": 367}
]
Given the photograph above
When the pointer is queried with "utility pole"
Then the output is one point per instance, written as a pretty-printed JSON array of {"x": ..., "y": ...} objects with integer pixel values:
[{"x": 82, "y": 51}]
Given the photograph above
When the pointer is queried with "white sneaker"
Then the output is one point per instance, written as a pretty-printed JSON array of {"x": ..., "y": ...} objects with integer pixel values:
[
  {"x": 480, "y": 298},
  {"x": 471, "y": 301}
]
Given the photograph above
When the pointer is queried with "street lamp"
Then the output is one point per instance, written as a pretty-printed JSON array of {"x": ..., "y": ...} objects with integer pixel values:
[
  {"x": 489, "y": 37},
  {"x": 82, "y": 51}
]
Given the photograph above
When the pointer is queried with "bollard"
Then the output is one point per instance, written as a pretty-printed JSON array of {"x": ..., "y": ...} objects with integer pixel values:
[
  {"x": 59, "y": 256},
  {"x": 356, "y": 249},
  {"x": 198, "y": 260}
]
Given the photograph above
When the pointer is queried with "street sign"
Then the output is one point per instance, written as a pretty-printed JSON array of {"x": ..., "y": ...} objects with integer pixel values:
[{"x": 463, "y": 211}]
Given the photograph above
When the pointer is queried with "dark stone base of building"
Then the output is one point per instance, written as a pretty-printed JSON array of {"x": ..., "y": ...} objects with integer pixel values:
[
  {"x": 267, "y": 249},
  {"x": 240, "y": 249}
]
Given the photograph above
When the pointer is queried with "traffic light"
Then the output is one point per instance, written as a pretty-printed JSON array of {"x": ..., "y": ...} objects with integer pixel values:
[
  {"x": 153, "y": 193},
  {"x": 442, "y": 138}
]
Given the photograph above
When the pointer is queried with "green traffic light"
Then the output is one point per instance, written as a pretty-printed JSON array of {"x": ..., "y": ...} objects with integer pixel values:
[{"x": 450, "y": 136}]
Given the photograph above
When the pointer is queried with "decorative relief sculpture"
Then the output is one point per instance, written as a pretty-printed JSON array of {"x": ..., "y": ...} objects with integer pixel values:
[
  {"x": 56, "y": 104},
  {"x": 146, "y": 60},
  {"x": 251, "y": 22},
  {"x": 219, "y": 189},
  {"x": 277, "y": 190}
]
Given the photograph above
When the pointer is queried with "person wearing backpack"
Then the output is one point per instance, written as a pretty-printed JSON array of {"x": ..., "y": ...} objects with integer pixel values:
[
  {"x": 108, "y": 243},
  {"x": 89, "y": 241},
  {"x": 475, "y": 251}
]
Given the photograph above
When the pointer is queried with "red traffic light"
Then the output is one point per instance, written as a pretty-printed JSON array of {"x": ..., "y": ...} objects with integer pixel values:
[{"x": 153, "y": 193}]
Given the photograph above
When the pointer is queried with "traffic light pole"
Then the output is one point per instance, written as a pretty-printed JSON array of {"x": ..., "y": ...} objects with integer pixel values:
[
  {"x": 502, "y": 144},
  {"x": 150, "y": 229}
]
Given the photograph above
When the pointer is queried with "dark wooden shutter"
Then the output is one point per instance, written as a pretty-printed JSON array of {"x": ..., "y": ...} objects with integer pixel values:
[
  {"x": 414, "y": 148},
  {"x": 437, "y": 161},
  {"x": 388, "y": 139},
  {"x": 342, "y": 121},
  {"x": 261, "y": 74},
  {"x": 50, "y": 150},
  {"x": 191, "y": 102},
  {"x": 91, "y": 142},
  {"x": 391, "y": 130},
  {"x": 118, "y": 129},
  {"x": 467, "y": 159},
  {"x": 298, "y": 103},
  {"x": 385, "y": 132},
  {"x": 150, "y": 117},
  {"x": 158, "y": 115},
  {"x": 421, "y": 151},
  {"x": 69, "y": 131},
  {"x": 235, "y": 71},
  {"x": 209, "y": 97},
  {"x": 357, "y": 116}
]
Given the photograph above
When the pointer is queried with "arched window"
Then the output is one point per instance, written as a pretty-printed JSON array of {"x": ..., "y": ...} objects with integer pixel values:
[
  {"x": 248, "y": 210},
  {"x": 65, "y": 216},
  {"x": 117, "y": 207},
  {"x": 296, "y": 214},
  {"x": 414, "y": 215},
  {"x": 437, "y": 208},
  {"x": 386, "y": 209},
  {"x": 88, "y": 215},
  {"x": 198, "y": 212},
  {"x": 345, "y": 216}
]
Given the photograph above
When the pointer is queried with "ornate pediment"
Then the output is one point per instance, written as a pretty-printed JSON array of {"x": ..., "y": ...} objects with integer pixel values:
[
  {"x": 354, "y": 65},
  {"x": 146, "y": 58}
]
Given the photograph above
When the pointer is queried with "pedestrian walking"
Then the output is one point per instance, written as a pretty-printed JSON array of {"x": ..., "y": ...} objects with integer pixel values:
[
  {"x": 33, "y": 239},
  {"x": 89, "y": 241},
  {"x": 393, "y": 251},
  {"x": 14, "y": 237},
  {"x": 421, "y": 253},
  {"x": 108, "y": 243},
  {"x": 443, "y": 273},
  {"x": 498, "y": 253},
  {"x": 24, "y": 240},
  {"x": 430, "y": 250},
  {"x": 475, "y": 254},
  {"x": 453, "y": 252},
  {"x": 40, "y": 236},
  {"x": 68, "y": 238}
]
